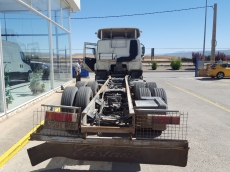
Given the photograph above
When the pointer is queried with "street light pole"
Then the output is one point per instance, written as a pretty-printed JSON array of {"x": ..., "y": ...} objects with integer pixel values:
[
  {"x": 213, "y": 50},
  {"x": 205, "y": 30}
]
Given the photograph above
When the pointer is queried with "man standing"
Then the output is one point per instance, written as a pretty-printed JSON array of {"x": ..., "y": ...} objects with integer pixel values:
[{"x": 77, "y": 70}]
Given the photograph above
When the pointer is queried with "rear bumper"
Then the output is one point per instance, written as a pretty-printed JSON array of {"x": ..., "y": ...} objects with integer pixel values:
[{"x": 162, "y": 152}]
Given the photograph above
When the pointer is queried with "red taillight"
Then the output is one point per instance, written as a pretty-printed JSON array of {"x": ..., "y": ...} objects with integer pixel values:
[
  {"x": 166, "y": 120},
  {"x": 213, "y": 68},
  {"x": 60, "y": 116}
]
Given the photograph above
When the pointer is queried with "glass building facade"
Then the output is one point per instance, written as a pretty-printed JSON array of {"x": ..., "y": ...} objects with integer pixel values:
[{"x": 35, "y": 49}]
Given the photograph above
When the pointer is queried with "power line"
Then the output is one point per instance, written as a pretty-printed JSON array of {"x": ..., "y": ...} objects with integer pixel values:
[
  {"x": 141, "y": 14},
  {"x": 125, "y": 15}
]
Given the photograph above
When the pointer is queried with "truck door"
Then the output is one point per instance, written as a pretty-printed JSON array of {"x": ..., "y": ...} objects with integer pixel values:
[{"x": 89, "y": 56}]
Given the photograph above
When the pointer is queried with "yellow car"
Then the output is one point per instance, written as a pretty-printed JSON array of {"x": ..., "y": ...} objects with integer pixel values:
[{"x": 219, "y": 70}]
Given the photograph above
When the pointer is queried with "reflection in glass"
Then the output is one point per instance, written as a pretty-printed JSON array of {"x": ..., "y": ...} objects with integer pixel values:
[
  {"x": 1, "y": 74},
  {"x": 27, "y": 1},
  {"x": 25, "y": 43},
  {"x": 61, "y": 54},
  {"x": 56, "y": 11},
  {"x": 41, "y": 6},
  {"x": 65, "y": 15}
]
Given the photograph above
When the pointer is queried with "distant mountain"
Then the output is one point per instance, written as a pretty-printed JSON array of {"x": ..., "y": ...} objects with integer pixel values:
[
  {"x": 188, "y": 54},
  {"x": 77, "y": 54}
]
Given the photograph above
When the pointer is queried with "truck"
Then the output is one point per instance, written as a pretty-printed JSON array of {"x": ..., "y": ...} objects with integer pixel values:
[{"x": 118, "y": 117}]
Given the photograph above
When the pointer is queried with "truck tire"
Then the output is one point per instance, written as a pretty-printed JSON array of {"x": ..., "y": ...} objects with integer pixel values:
[
  {"x": 83, "y": 97},
  {"x": 80, "y": 84},
  {"x": 144, "y": 92},
  {"x": 160, "y": 92},
  {"x": 151, "y": 86},
  {"x": 136, "y": 89},
  {"x": 94, "y": 86},
  {"x": 68, "y": 97}
]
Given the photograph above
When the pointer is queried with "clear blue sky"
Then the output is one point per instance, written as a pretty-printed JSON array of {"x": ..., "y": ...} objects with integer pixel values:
[{"x": 180, "y": 31}]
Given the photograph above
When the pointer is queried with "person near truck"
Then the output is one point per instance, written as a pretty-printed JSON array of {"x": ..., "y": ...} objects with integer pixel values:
[{"x": 77, "y": 70}]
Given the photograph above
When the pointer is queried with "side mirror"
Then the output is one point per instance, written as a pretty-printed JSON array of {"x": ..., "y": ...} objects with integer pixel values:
[
  {"x": 143, "y": 51},
  {"x": 93, "y": 51}
]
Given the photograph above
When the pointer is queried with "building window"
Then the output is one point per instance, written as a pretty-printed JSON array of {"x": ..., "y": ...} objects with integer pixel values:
[
  {"x": 41, "y": 6},
  {"x": 56, "y": 11},
  {"x": 25, "y": 41},
  {"x": 65, "y": 15},
  {"x": 26, "y": 49},
  {"x": 61, "y": 56}
]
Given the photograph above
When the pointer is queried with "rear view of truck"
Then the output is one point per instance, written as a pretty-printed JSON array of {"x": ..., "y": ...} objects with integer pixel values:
[{"x": 119, "y": 117}]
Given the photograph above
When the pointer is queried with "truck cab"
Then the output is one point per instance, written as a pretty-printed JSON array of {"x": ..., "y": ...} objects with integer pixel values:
[{"x": 117, "y": 53}]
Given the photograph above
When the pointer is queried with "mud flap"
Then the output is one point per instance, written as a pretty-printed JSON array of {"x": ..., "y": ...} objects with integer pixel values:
[{"x": 175, "y": 154}]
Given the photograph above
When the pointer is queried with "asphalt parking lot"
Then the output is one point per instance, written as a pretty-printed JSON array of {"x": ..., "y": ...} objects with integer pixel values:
[{"x": 205, "y": 100}]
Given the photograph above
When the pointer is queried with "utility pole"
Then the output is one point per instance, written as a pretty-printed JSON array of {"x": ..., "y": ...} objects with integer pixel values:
[
  {"x": 213, "y": 50},
  {"x": 205, "y": 21}
]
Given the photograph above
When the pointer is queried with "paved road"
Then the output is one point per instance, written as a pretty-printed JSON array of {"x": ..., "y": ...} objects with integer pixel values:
[{"x": 207, "y": 102}]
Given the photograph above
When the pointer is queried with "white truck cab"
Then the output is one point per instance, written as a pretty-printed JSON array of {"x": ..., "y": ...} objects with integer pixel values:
[{"x": 117, "y": 53}]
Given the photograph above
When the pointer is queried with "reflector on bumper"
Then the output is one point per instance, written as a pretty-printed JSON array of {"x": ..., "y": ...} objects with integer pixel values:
[
  {"x": 61, "y": 116},
  {"x": 61, "y": 120}
]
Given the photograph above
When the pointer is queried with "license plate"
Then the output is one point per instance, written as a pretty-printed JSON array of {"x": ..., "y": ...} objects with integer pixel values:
[{"x": 61, "y": 125}]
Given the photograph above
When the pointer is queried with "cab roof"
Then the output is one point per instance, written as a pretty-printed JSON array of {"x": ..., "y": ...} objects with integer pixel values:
[{"x": 108, "y": 33}]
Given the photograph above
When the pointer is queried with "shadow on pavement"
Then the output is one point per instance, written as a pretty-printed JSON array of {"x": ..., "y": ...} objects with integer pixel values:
[
  {"x": 206, "y": 79},
  {"x": 184, "y": 69},
  {"x": 57, "y": 165},
  {"x": 211, "y": 79},
  {"x": 193, "y": 69}
]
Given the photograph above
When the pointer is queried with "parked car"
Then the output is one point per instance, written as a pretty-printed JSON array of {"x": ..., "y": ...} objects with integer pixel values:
[
  {"x": 41, "y": 66},
  {"x": 219, "y": 70}
]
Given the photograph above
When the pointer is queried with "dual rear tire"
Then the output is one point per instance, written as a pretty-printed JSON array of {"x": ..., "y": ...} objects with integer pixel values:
[
  {"x": 79, "y": 96},
  {"x": 140, "y": 90}
]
